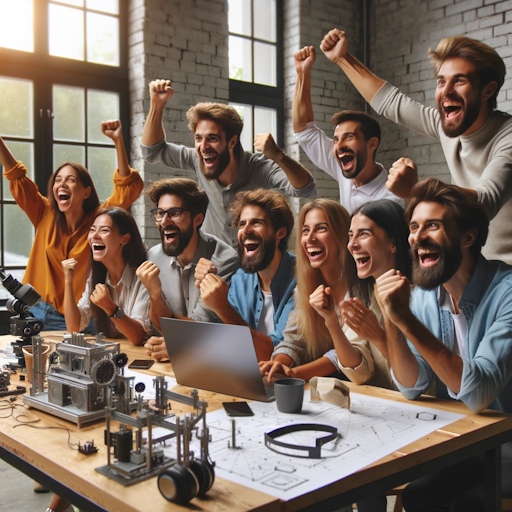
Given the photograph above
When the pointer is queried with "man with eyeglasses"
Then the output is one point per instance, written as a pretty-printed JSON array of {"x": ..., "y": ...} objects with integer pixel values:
[
  {"x": 221, "y": 165},
  {"x": 169, "y": 272}
]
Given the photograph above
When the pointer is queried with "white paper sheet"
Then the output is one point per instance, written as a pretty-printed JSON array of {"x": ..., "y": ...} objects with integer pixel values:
[
  {"x": 149, "y": 392},
  {"x": 372, "y": 429}
]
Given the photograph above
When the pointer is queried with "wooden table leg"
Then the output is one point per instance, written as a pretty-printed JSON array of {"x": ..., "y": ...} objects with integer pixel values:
[{"x": 492, "y": 480}]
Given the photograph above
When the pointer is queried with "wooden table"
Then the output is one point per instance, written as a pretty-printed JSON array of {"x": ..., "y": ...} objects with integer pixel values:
[{"x": 45, "y": 456}]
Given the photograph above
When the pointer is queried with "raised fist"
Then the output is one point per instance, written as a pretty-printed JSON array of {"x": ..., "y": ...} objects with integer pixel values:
[
  {"x": 69, "y": 266},
  {"x": 265, "y": 143},
  {"x": 335, "y": 45},
  {"x": 402, "y": 177},
  {"x": 160, "y": 91},
  {"x": 304, "y": 59},
  {"x": 112, "y": 129}
]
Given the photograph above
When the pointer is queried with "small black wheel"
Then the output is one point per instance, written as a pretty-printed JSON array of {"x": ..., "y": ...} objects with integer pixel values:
[
  {"x": 54, "y": 358},
  {"x": 205, "y": 475},
  {"x": 140, "y": 387},
  {"x": 120, "y": 360},
  {"x": 178, "y": 484}
]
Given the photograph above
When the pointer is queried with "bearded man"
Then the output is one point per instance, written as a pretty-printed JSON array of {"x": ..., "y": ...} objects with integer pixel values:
[
  {"x": 169, "y": 272},
  {"x": 475, "y": 137},
  {"x": 221, "y": 165},
  {"x": 261, "y": 292},
  {"x": 455, "y": 331}
]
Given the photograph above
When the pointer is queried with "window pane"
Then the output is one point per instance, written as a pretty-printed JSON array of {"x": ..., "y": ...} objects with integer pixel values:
[
  {"x": 111, "y": 6},
  {"x": 102, "y": 164},
  {"x": 246, "y": 137},
  {"x": 16, "y": 108},
  {"x": 66, "y": 153},
  {"x": 17, "y": 30},
  {"x": 265, "y": 121},
  {"x": 18, "y": 235},
  {"x": 22, "y": 151},
  {"x": 239, "y": 17},
  {"x": 68, "y": 110},
  {"x": 240, "y": 59},
  {"x": 264, "y": 64},
  {"x": 265, "y": 20},
  {"x": 102, "y": 39},
  {"x": 101, "y": 106},
  {"x": 66, "y": 32},
  {"x": 77, "y": 3}
]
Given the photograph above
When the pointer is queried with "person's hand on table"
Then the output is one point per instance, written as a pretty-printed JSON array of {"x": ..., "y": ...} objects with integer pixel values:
[
  {"x": 271, "y": 368},
  {"x": 155, "y": 348}
]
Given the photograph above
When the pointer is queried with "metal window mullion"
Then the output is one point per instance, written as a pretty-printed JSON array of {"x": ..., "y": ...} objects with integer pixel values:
[
  {"x": 252, "y": 46},
  {"x": 86, "y": 127}
]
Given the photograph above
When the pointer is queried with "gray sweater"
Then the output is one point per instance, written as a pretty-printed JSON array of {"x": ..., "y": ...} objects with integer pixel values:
[{"x": 481, "y": 161}]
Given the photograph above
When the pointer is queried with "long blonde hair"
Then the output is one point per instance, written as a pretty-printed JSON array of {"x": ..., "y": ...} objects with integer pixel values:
[{"x": 311, "y": 326}]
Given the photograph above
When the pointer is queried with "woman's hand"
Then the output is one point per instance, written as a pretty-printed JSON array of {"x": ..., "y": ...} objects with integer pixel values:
[
  {"x": 101, "y": 297},
  {"x": 69, "y": 267},
  {"x": 322, "y": 301},
  {"x": 112, "y": 129},
  {"x": 155, "y": 348},
  {"x": 362, "y": 320},
  {"x": 270, "y": 368}
]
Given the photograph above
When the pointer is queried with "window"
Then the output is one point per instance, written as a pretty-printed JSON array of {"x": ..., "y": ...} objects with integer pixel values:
[
  {"x": 256, "y": 66},
  {"x": 63, "y": 70}
]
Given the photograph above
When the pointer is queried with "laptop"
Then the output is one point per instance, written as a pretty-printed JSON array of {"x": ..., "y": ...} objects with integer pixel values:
[{"x": 215, "y": 357}]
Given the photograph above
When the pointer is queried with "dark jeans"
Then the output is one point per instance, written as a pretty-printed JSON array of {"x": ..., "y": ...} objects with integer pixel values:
[
  {"x": 458, "y": 488},
  {"x": 53, "y": 320}
]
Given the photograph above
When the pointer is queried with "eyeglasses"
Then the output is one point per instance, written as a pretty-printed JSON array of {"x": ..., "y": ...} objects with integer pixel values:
[{"x": 173, "y": 214}]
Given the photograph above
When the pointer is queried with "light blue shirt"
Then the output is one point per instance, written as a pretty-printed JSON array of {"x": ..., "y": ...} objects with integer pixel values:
[
  {"x": 246, "y": 297},
  {"x": 487, "y": 364}
]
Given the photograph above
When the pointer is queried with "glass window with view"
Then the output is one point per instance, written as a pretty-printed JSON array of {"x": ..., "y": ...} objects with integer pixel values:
[{"x": 86, "y": 30}]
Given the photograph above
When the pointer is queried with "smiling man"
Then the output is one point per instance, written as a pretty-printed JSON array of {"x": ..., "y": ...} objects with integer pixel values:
[
  {"x": 475, "y": 137},
  {"x": 169, "y": 272},
  {"x": 222, "y": 167},
  {"x": 456, "y": 330},
  {"x": 349, "y": 157},
  {"x": 261, "y": 292}
]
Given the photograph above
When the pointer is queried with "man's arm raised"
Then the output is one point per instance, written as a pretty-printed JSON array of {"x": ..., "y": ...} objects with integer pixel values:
[
  {"x": 302, "y": 108},
  {"x": 159, "y": 92},
  {"x": 335, "y": 48}
]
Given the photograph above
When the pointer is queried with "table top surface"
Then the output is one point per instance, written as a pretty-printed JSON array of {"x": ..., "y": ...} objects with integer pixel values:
[{"x": 48, "y": 450}]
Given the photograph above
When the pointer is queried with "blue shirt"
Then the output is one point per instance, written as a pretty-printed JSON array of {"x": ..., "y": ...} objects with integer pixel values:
[
  {"x": 487, "y": 365},
  {"x": 246, "y": 297}
]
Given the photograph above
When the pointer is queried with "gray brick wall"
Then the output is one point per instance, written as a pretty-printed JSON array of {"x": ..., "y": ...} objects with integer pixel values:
[{"x": 401, "y": 33}]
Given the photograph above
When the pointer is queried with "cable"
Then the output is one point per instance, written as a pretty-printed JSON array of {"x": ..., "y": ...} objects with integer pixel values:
[{"x": 72, "y": 446}]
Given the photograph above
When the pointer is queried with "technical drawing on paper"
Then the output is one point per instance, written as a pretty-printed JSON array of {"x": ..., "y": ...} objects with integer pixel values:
[{"x": 372, "y": 429}]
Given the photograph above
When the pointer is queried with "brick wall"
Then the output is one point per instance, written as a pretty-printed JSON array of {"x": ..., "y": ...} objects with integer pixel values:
[{"x": 401, "y": 33}]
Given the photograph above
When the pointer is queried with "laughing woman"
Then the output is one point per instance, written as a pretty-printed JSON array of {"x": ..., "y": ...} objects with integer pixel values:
[
  {"x": 62, "y": 221},
  {"x": 325, "y": 333},
  {"x": 113, "y": 295}
]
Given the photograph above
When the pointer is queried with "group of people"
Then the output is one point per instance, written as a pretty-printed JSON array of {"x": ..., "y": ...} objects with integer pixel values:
[{"x": 388, "y": 287}]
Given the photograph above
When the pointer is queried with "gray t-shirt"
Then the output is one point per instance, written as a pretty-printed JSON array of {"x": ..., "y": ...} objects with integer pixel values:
[
  {"x": 255, "y": 171},
  {"x": 481, "y": 161},
  {"x": 182, "y": 297}
]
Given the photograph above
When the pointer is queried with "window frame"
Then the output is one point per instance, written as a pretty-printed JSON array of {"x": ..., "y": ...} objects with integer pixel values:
[{"x": 257, "y": 95}]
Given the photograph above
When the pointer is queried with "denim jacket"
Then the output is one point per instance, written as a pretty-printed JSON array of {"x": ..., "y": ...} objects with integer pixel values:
[
  {"x": 487, "y": 365},
  {"x": 246, "y": 297}
]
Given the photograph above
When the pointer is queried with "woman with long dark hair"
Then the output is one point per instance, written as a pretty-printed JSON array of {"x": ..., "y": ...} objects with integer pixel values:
[
  {"x": 330, "y": 332},
  {"x": 113, "y": 295},
  {"x": 62, "y": 221}
]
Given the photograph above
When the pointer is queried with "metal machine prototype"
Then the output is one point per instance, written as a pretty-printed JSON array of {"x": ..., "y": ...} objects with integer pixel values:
[
  {"x": 78, "y": 378},
  {"x": 180, "y": 479}
]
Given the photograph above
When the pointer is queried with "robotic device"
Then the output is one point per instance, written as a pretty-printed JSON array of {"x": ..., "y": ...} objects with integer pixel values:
[
  {"x": 179, "y": 479},
  {"x": 78, "y": 379}
]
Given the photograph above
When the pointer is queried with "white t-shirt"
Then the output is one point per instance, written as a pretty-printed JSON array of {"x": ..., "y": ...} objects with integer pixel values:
[
  {"x": 460, "y": 325},
  {"x": 318, "y": 147},
  {"x": 266, "y": 323}
]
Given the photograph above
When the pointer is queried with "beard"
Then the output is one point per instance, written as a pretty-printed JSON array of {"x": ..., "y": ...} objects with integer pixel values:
[
  {"x": 223, "y": 161},
  {"x": 360, "y": 160},
  {"x": 471, "y": 109},
  {"x": 263, "y": 258},
  {"x": 179, "y": 243},
  {"x": 450, "y": 259}
]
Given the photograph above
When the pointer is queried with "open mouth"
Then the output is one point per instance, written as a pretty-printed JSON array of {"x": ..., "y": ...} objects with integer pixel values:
[
  {"x": 427, "y": 257},
  {"x": 361, "y": 259},
  {"x": 315, "y": 253},
  {"x": 97, "y": 247},
  {"x": 346, "y": 160},
  {"x": 210, "y": 159},
  {"x": 170, "y": 236},
  {"x": 251, "y": 246},
  {"x": 451, "y": 110},
  {"x": 63, "y": 196}
]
